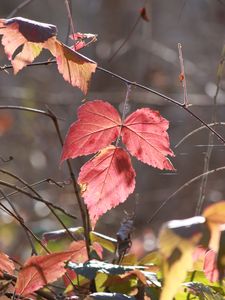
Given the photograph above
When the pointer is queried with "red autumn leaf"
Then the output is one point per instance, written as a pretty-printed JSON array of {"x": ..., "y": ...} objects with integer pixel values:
[
  {"x": 27, "y": 33},
  {"x": 144, "y": 134},
  {"x": 97, "y": 127},
  {"x": 41, "y": 270},
  {"x": 74, "y": 67},
  {"x": 106, "y": 181},
  {"x": 34, "y": 36},
  {"x": 210, "y": 269},
  {"x": 80, "y": 40},
  {"x": 6, "y": 265}
]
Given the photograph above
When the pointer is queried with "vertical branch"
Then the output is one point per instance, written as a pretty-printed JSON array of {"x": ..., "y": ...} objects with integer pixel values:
[
  {"x": 125, "y": 106},
  {"x": 208, "y": 154},
  {"x": 182, "y": 74},
  {"x": 83, "y": 210}
]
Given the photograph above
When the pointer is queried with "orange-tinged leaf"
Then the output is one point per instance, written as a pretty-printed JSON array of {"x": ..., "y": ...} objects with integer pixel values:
[
  {"x": 41, "y": 270},
  {"x": 97, "y": 127},
  {"x": 27, "y": 33},
  {"x": 215, "y": 216},
  {"x": 215, "y": 213},
  {"x": 109, "y": 178},
  {"x": 74, "y": 67},
  {"x": 6, "y": 265},
  {"x": 145, "y": 135}
]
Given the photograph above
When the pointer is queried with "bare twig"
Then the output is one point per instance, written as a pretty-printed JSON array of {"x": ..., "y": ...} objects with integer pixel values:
[
  {"x": 182, "y": 74},
  {"x": 195, "y": 131},
  {"x": 59, "y": 208},
  {"x": 21, "y": 190},
  {"x": 18, "y": 8},
  {"x": 124, "y": 110},
  {"x": 208, "y": 154},
  {"x": 75, "y": 187},
  {"x": 183, "y": 187},
  {"x": 19, "y": 218},
  {"x": 38, "y": 195}
]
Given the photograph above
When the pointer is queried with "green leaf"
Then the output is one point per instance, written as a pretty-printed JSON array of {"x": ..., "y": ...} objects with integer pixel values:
[
  {"x": 105, "y": 241},
  {"x": 152, "y": 258},
  {"x": 92, "y": 267}
]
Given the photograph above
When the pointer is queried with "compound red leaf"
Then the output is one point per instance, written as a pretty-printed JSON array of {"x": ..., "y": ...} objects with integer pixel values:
[
  {"x": 74, "y": 67},
  {"x": 41, "y": 270},
  {"x": 98, "y": 126},
  {"x": 6, "y": 265},
  {"x": 27, "y": 33},
  {"x": 106, "y": 181},
  {"x": 144, "y": 134}
]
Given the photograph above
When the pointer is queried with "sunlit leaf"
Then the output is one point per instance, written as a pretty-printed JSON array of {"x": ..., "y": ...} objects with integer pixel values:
[
  {"x": 106, "y": 181},
  {"x": 41, "y": 270},
  {"x": 177, "y": 241},
  {"x": 75, "y": 68},
  {"x": 97, "y": 127},
  {"x": 145, "y": 135},
  {"x": 6, "y": 264},
  {"x": 90, "y": 268}
]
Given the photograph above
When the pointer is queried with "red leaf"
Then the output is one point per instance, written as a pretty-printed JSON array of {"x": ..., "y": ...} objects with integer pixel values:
[
  {"x": 41, "y": 270},
  {"x": 31, "y": 34},
  {"x": 106, "y": 181},
  {"x": 144, "y": 134},
  {"x": 210, "y": 269},
  {"x": 97, "y": 127},
  {"x": 74, "y": 67},
  {"x": 6, "y": 265}
]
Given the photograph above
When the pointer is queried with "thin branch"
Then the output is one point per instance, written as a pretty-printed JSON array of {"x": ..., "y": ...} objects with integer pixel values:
[
  {"x": 75, "y": 187},
  {"x": 182, "y": 74},
  {"x": 20, "y": 190},
  {"x": 59, "y": 208},
  {"x": 143, "y": 87},
  {"x": 128, "y": 36},
  {"x": 19, "y": 219},
  {"x": 38, "y": 195},
  {"x": 124, "y": 110},
  {"x": 195, "y": 131},
  {"x": 183, "y": 187},
  {"x": 18, "y": 8},
  {"x": 209, "y": 151}
]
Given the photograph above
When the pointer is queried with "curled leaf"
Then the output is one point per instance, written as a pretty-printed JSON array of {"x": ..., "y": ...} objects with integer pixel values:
[
  {"x": 74, "y": 67},
  {"x": 27, "y": 33}
]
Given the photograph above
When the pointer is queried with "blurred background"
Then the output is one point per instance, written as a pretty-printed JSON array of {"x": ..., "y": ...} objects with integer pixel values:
[{"x": 148, "y": 56}]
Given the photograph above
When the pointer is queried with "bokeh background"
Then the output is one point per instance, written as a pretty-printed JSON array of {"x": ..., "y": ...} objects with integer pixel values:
[{"x": 150, "y": 57}]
